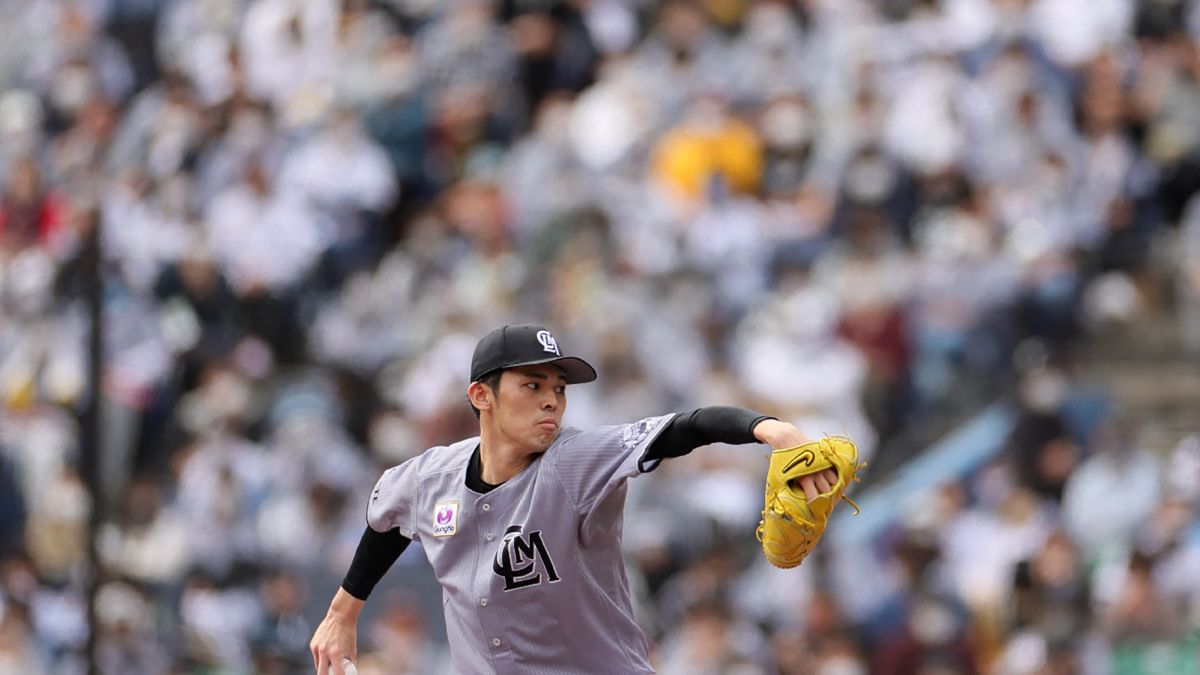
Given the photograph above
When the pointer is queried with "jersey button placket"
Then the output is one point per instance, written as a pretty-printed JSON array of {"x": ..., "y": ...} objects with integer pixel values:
[{"x": 485, "y": 523}]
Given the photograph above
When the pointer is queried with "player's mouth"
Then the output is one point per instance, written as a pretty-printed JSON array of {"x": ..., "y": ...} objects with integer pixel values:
[{"x": 548, "y": 425}]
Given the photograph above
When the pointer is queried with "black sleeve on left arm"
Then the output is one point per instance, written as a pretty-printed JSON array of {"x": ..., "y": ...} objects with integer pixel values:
[
  {"x": 714, "y": 424},
  {"x": 374, "y": 556}
]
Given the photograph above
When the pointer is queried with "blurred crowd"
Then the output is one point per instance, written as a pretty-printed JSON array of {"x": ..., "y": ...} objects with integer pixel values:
[{"x": 855, "y": 215}]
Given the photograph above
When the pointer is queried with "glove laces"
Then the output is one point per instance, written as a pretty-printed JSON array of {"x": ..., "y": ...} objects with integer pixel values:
[{"x": 853, "y": 479}]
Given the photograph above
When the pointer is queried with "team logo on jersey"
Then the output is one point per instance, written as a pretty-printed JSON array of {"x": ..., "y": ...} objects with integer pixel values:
[
  {"x": 518, "y": 557},
  {"x": 635, "y": 433},
  {"x": 445, "y": 519},
  {"x": 548, "y": 343}
]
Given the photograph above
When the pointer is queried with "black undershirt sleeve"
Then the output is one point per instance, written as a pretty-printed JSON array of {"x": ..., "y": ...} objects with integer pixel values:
[
  {"x": 714, "y": 424},
  {"x": 374, "y": 556}
]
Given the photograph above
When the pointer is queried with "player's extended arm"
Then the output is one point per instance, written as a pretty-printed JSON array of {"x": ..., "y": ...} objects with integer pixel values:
[
  {"x": 712, "y": 424},
  {"x": 736, "y": 426},
  {"x": 337, "y": 636}
]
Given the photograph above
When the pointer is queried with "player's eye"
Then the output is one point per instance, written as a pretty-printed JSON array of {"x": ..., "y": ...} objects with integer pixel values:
[
  {"x": 532, "y": 386},
  {"x": 560, "y": 389}
]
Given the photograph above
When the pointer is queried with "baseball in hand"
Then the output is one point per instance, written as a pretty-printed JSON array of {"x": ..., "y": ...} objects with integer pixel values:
[{"x": 347, "y": 666}]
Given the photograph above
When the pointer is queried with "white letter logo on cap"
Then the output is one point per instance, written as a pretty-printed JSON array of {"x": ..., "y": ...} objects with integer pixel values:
[{"x": 548, "y": 343}]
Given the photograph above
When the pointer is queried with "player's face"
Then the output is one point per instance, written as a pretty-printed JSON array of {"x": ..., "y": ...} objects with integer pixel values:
[{"x": 530, "y": 405}]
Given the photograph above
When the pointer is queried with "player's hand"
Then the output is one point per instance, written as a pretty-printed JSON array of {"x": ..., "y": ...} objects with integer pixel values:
[
  {"x": 783, "y": 435},
  {"x": 333, "y": 640},
  {"x": 779, "y": 434},
  {"x": 337, "y": 636}
]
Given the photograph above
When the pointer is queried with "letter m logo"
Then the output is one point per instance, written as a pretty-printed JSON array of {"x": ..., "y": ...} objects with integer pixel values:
[{"x": 518, "y": 557}]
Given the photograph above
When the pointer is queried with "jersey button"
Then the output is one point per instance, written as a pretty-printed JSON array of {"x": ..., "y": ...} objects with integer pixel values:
[
  {"x": 483, "y": 602},
  {"x": 495, "y": 642},
  {"x": 489, "y": 536},
  {"x": 486, "y": 507}
]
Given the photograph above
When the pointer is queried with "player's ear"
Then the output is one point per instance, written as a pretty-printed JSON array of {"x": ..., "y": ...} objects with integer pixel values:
[{"x": 480, "y": 395}]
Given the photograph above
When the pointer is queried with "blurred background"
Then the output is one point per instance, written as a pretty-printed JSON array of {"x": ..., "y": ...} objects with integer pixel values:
[{"x": 962, "y": 231}]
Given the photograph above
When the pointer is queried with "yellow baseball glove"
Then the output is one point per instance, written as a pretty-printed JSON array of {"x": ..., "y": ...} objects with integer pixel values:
[{"x": 791, "y": 523}]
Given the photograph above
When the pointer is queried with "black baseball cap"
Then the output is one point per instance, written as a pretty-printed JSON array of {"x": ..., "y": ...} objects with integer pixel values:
[{"x": 525, "y": 345}]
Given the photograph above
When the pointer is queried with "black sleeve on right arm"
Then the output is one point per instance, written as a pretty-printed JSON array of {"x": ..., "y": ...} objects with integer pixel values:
[
  {"x": 372, "y": 559},
  {"x": 714, "y": 424}
]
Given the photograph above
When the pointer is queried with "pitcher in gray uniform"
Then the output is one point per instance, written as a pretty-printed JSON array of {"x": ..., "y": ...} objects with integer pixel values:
[{"x": 522, "y": 524}]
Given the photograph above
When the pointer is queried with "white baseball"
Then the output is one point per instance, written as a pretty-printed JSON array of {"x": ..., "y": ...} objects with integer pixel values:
[{"x": 347, "y": 666}]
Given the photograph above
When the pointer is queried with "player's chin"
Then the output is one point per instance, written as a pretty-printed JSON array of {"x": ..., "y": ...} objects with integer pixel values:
[{"x": 543, "y": 438}]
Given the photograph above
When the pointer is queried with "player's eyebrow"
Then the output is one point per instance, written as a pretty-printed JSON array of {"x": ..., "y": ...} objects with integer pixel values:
[{"x": 542, "y": 376}]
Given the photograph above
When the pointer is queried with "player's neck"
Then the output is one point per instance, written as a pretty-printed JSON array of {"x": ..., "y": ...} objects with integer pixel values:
[{"x": 501, "y": 458}]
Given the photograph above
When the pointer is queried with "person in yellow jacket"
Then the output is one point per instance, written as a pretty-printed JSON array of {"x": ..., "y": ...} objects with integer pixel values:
[{"x": 708, "y": 145}]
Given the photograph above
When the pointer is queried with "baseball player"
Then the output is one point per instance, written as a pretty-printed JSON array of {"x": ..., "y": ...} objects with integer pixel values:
[{"x": 522, "y": 524}]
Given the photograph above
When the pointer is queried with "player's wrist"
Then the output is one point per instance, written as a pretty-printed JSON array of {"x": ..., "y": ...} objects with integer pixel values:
[
  {"x": 779, "y": 434},
  {"x": 345, "y": 607},
  {"x": 767, "y": 430}
]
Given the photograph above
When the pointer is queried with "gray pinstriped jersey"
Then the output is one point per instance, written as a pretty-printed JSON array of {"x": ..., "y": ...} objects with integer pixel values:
[{"x": 531, "y": 572}]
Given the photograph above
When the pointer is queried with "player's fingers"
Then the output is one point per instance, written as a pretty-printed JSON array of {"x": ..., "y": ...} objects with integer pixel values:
[
  {"x": 322, "y": 665},
  {"x": 830, "y": 475},
  {"x": 809, "y": 486},
  {"x": 821, "y": 481}
]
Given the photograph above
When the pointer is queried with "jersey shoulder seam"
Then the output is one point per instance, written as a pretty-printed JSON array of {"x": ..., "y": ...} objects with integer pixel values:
[
  {"x": 561, "y": 484},
  {"x": 451, "y": 465}
]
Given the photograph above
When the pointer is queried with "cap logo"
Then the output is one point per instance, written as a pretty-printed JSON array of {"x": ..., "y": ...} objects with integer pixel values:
[{"x": 548, "y": 343}]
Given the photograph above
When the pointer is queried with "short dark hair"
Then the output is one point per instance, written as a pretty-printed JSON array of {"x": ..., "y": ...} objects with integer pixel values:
[{"x": 491, "y": 381}]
